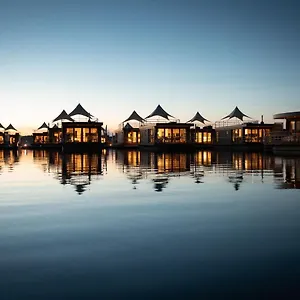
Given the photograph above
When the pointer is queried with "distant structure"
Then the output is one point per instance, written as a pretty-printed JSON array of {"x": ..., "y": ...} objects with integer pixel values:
[
  {"x": 204, "y": 136},
  {"x": 128, "y": 135},
  {"x": 9, "y": 137},
  {"x": 166, "y": 131},
  {"x": 71, "y": 134},
  {"x": 80, "y": 130},
  {"x": 241, "y": 134}
]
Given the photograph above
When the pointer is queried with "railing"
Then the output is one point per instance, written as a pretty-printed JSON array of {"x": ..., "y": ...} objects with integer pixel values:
[
  {"x": 232, "y": 123},
  {"x": 174, "y": 140},
  {"x": 279, "y": 139},
  {"x": 155, "y": 121}
]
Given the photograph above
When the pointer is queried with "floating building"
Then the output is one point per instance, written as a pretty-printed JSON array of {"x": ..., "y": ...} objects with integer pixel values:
[
  {"x": 239, "y": 133},
  {"x": 70, "y": 133},
  {"x": 128, "y": 134},
  {"x": 160, "y": 129},
  {"x": 201, "y": 136},
  {"x": 80, "y": 130},
  {"x": 9, "y": 137},
  {"x": 164, "y": 130},
  {"x": 287, "y": 141}
]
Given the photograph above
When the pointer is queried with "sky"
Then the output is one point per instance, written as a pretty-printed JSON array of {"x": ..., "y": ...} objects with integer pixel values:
[{"x": 116, "y": 56}]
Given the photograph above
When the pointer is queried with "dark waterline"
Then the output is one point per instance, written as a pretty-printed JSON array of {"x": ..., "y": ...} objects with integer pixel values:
[{"x": 142, "y": 225}]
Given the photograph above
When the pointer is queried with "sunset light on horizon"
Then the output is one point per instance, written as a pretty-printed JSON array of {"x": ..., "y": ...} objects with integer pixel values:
[{"x": 114, "y": 57}]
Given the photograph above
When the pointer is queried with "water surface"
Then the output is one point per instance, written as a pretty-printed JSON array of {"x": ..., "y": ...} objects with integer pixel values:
[{"x": 143, "y": 225}]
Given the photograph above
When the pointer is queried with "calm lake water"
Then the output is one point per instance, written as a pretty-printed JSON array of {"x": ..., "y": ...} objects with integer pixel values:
[{"x": 140, "y": 225}]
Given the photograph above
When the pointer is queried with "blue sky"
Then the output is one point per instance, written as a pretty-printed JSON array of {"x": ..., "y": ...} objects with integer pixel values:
[{"x": 116, "y": 56}]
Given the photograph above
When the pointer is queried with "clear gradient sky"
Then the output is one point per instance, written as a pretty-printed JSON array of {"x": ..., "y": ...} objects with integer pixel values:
[{"x": 114, "y": 56}]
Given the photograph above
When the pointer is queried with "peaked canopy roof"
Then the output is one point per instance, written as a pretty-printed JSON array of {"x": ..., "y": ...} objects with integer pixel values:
[
  {"x": 134, "y": 116},
  {"x": 10, "y": 127},
  {"x": 1, "y": 126},
  {"x": 159, "y": 111},
  {"x": 127, "y": 126},
  {"x": 79, "y": 110},
  {"x": 236, "y": 113},
  {"x": 63, "y": 116},
  {"x": 44, "y": 125},
  {"x": 198, "y": 118},
  {"x": 55, "y": 126}
]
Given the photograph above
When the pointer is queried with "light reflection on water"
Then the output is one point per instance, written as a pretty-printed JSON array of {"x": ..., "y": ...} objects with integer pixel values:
[
  {"x": 80, "y": 170},
  {"x": 144, "y": 225}
]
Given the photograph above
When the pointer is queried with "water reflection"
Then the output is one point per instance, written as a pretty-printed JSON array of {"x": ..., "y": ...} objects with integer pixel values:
[
  {"x": 77, "y": 169},
  {"x": 41, "y": 157},
  {"x": 238, "y": 166},
  {"x": 159, "y": 169},
  {"x": 235, "y": 167},
  {"x": 189, "y": 214},
  {"x": 129, "y": 163},
  {"x": 199, "y": 162},
  {"x": 287, "y": 173},
  {"x": 8, "y": 159}
]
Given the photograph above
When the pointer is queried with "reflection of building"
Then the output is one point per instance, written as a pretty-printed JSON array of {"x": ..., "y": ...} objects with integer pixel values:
[
  {"x": 288, "y": 173},
  {"x": 172, "y": 163},
  {"x": 128, "y": 158},
  {"x": 201, "y": 161},
  {"x": 160, "y": 182},
  {"x": 132, "y": 158},
  {"x": 130, "y": 162},
  {"x": 158, "y": 167},
  {"x": 41, "y": 157},
  {"x": 245, "y": 161},
  {"x": 202, "y": 158},
  {"x": 236, "y": 179},
  {"x": 149, "y": 161},
  {"x": 1, "y": 159},
  {"x": 76, "y": 169},
  {"x": 8, "y": 158},
  {"x": 237, "y": 166}
]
